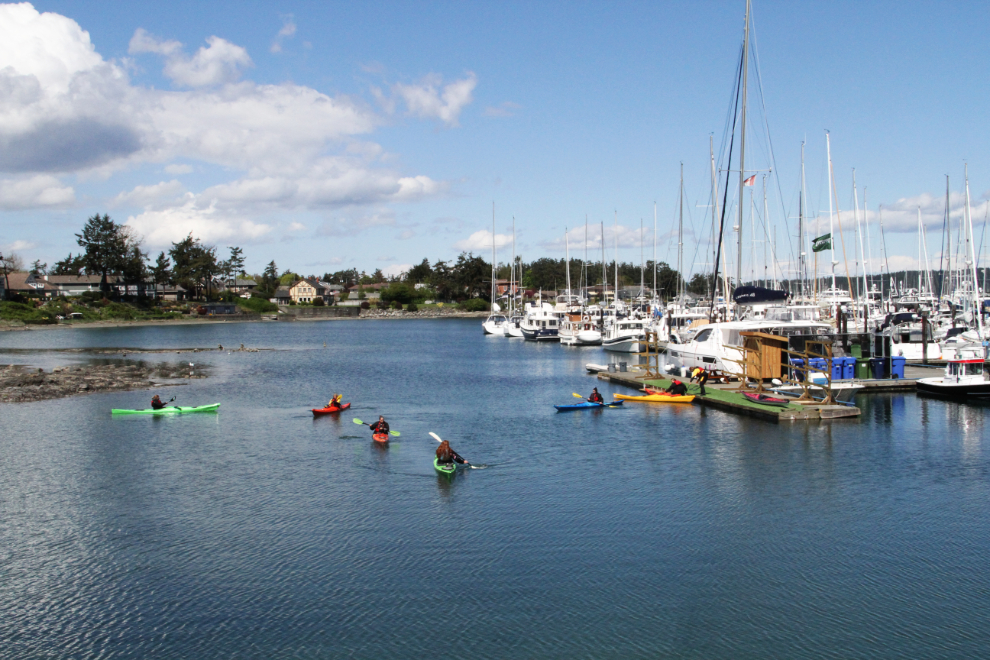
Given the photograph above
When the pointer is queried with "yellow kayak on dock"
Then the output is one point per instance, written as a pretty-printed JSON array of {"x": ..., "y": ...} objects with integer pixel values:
[{"x": 657, "y": 398}]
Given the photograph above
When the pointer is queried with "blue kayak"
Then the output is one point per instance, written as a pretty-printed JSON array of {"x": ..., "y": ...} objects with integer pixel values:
[{"x": 587, "y": 404}]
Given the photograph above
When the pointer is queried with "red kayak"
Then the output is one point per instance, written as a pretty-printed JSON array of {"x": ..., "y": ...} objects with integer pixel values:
[
  {"x": 330, "y": 411},
  {"x": 380, "y": 437},
  {"x": 766, "y": 400}
]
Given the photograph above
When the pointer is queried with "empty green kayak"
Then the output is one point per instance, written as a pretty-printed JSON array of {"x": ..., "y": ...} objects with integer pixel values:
[
  {"x": 167, "y": 410},
  {"x": 444, "y": 468}
]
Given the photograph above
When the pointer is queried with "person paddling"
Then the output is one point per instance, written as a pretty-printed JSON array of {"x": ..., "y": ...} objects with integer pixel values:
[
  {"x": 596, "y": 397},
  {"x": 381, "y": 426},
  {"x": 335, "y": 401},
  {"x": 447, "y": 456},
  {"x": 156, "y": 403}
]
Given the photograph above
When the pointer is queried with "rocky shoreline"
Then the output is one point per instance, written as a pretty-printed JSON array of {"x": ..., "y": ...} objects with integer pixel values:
[{"x": 19, "y": 383}]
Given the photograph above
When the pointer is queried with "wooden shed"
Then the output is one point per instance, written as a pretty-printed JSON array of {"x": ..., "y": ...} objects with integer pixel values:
[{"x": 766, "y": 355}]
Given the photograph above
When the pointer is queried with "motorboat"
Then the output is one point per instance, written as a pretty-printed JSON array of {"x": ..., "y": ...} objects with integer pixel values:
[
  {"x": 966, "y": 375},
  {"x": 626, "y": 335},
  {"x": 578, "y": 329},
  {"x": 541, "y": 322}
]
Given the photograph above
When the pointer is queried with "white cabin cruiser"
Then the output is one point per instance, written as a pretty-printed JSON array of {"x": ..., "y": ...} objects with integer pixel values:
[
  {"x": 718, "y": 345},
  {"x": 540, "y": 323},
  {"x": 966, "y": 375},
  {"x": 578, "y": 329},
  {"x": 626, "y": 335}
]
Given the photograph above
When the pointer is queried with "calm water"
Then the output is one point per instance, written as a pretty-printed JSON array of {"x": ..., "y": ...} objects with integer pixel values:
[{"x": 642, "y": 532}]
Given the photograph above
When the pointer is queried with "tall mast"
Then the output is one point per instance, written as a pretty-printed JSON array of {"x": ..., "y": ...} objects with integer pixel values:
[
  {"x": 512, "y": 272},
  {"x": 766, "y": 231},
  {"x": 494, "y": 287},
  {"x": 742, "y": 142},
  {"x": 831, "y": 230},
  {"x": 584, "y": 268},
  {"x": 567, "y": 256},
  {"x": 802, "y": 255},
  {"x": 948, "y": 229},
  {"x": 615, "y": 237},
  {"x": 642, "y": 258},
  {"x": 680, "y": 240},
  {"x": 718, "y": 248},
  {"x": 976, "y": 303},
  {"x": 869, "y": 244},
  {"x": 604, "y": 267},
  {"x": 654, "y": 250},
  {"x": 859, "y": 230}
]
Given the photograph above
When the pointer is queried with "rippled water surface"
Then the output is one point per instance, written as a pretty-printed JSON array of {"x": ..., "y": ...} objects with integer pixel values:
[{"x": 642, "y": 532}]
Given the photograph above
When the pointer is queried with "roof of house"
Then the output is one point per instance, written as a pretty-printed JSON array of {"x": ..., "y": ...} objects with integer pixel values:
[
  {"x": 79, "y": 279},
  {"x": 282, "y": 292},
  {"x": 28, "y": 282}
]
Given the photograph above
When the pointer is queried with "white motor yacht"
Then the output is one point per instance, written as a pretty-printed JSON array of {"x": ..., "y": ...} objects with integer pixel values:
[
  {"x": 626, "y": 335},
  {"x": 965, "y": 377},
  {"x": 579, "y": 330},
  {"x": 540, "y": 322}
]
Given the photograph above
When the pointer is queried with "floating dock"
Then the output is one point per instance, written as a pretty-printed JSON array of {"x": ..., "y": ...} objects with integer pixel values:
[{"x": 729, "y": 398}]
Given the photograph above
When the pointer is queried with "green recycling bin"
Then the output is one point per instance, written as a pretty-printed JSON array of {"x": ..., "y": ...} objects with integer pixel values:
[
  {"x": 857, "y": 352},
  {"x": 862, "y": 369}
]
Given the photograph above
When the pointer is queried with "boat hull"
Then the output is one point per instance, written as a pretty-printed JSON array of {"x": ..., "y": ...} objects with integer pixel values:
[
  {"x": 329, "y": 411},
  {"x": 624, "y": 345},
  {"x": 657, "y": 398},
  {"x": 948, "y": 390}
]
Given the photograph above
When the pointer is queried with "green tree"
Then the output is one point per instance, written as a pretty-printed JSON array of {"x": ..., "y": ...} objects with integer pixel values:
[
  {"x": 107, "y": 247},
  {"x": 38, "y": 268},
  {"x": 269, "y": 279},
  {"x": 378, "y": 276},
  {"x": 398, "y": 292},
  {"x": 420, "y": 272},
  {"x": 472, "y": 277},
  {"x": 161, "y": 272},
  {"x": 71, "y": 265},
  {"x": 194, "y": 265}
]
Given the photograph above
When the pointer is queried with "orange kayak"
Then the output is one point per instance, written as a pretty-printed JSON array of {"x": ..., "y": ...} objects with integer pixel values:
[
  {"x": 380, "y": 437},
  {"x": 328, "y": 411},
  {"x": 657, "y": 398}
]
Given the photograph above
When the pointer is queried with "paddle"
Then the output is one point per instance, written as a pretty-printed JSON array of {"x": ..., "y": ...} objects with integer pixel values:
[
  {"x": 358, "y": 421},
  {"x": 466, "y": 462},
  {"x": 600, "y": 403}
]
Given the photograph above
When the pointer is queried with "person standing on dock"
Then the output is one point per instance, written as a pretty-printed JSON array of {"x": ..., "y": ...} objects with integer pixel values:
[{"x": 702, "y": 379}]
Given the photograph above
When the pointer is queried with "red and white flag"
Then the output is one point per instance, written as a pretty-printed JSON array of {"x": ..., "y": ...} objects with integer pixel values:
[{"x": 750, "y": 181}]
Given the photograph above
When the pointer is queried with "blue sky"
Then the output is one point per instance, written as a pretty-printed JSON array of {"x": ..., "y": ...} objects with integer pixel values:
[{"x": 372, "y": 135}]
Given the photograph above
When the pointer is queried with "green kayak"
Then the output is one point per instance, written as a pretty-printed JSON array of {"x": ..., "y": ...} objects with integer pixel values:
[
  {"x": 444, "y": 468},
  {"x": 167, "y": 410}
]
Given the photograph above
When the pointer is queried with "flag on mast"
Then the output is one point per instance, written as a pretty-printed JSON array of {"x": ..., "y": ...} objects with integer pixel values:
[
  {"x": 750, "y": 181},
  {"x": 822, "y": 243}
]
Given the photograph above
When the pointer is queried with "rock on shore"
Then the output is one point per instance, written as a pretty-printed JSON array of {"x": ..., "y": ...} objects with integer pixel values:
[{"x": 19, "y": 383}]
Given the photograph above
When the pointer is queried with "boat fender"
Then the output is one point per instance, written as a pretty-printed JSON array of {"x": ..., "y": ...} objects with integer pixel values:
[{"x": 586, "y": 318}]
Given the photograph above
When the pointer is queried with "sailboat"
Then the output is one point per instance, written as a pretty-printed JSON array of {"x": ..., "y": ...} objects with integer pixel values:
[{"x": 495, "y": 321}]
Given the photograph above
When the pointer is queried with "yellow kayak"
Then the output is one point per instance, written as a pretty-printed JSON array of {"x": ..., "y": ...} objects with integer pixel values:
[{"x": 657, "y": 398}]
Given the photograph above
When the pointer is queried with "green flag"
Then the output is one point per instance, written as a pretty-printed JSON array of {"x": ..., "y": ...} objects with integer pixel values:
[{"x": 821, "y": 243}]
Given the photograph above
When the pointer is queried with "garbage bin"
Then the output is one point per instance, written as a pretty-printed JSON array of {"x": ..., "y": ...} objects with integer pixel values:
[
  {"x": 797, "y": 373},
  {"x": 879, "y": 368},
  {"x": 611, "y": 367},
  {"x": 856, "y": 351},
  {"x": 837, "y": 367},
  {"x": 623, "y": 366},
  {"x": 897, "y": 366},
  {"x": 848, "y": 368},
  {"x": 817, "y": 366},
  {"x": 862, "y": 369}
]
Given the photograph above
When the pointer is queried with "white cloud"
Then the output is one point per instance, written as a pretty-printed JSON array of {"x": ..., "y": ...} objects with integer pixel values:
[
  {"x": 482, "y": 240},
  {"x": 297, "y": 226},
  {"x": 160, "y": 228},
  {"x": 18, "y": 245},
  {"x": 288, "y": 30},
  {"x": 396, "y": 270},
  {"x": 178, "y": 168},
  {"x": 41, "y": 190},
  {"x": 427, "y": 99},
  {"x": 218, "y": 63},
  {"x": 146, "y": 196},
  {"x": 384, "y": 258}
]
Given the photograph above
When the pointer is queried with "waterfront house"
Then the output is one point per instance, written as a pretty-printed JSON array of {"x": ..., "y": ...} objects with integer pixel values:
[
  {"x": 76, "y": 285},
  {"x": 240, "y": 286},
  {"x": 30, "y": 285},
  {"x": 282, "y": 296}
]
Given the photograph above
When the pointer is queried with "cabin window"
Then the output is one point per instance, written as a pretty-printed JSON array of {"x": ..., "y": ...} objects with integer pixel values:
[
  {"x": 703, "y": 335},
  {"x": 553, "y": 323}
]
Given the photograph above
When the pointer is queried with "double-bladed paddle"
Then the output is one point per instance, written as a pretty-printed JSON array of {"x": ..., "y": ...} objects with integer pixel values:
[
  {"x": 466, "y": 462},
  {"x": 358, "y": 421}
]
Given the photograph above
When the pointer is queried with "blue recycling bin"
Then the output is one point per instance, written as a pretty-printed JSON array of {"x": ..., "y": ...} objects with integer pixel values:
[
  {"x": 837, "y": 363},
  {"x": 819, "y": 364},
  {"x": 879, "y": 367},
  {"x": 848, "y": 368},
  {"x": 797, "y": 373},
  {"x": 897, "y": 367}
]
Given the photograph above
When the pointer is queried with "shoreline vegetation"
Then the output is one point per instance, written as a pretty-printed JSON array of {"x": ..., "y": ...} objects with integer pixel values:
[{"x": 12, "y": 324}]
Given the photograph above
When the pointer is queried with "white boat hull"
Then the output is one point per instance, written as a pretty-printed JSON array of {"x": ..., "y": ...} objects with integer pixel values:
[{"x": 625, "y": 345}]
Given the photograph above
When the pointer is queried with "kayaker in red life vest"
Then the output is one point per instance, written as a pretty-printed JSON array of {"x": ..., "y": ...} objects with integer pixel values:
[
  {"x": 156, "y": 403},
  {"x": 446, "y": 455},
  {"x": 335, "y": 401},
  {"x": 596, "y": 397},
  {"x": 678, "y": 388},
  {"x": 381, "y": 426}
]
